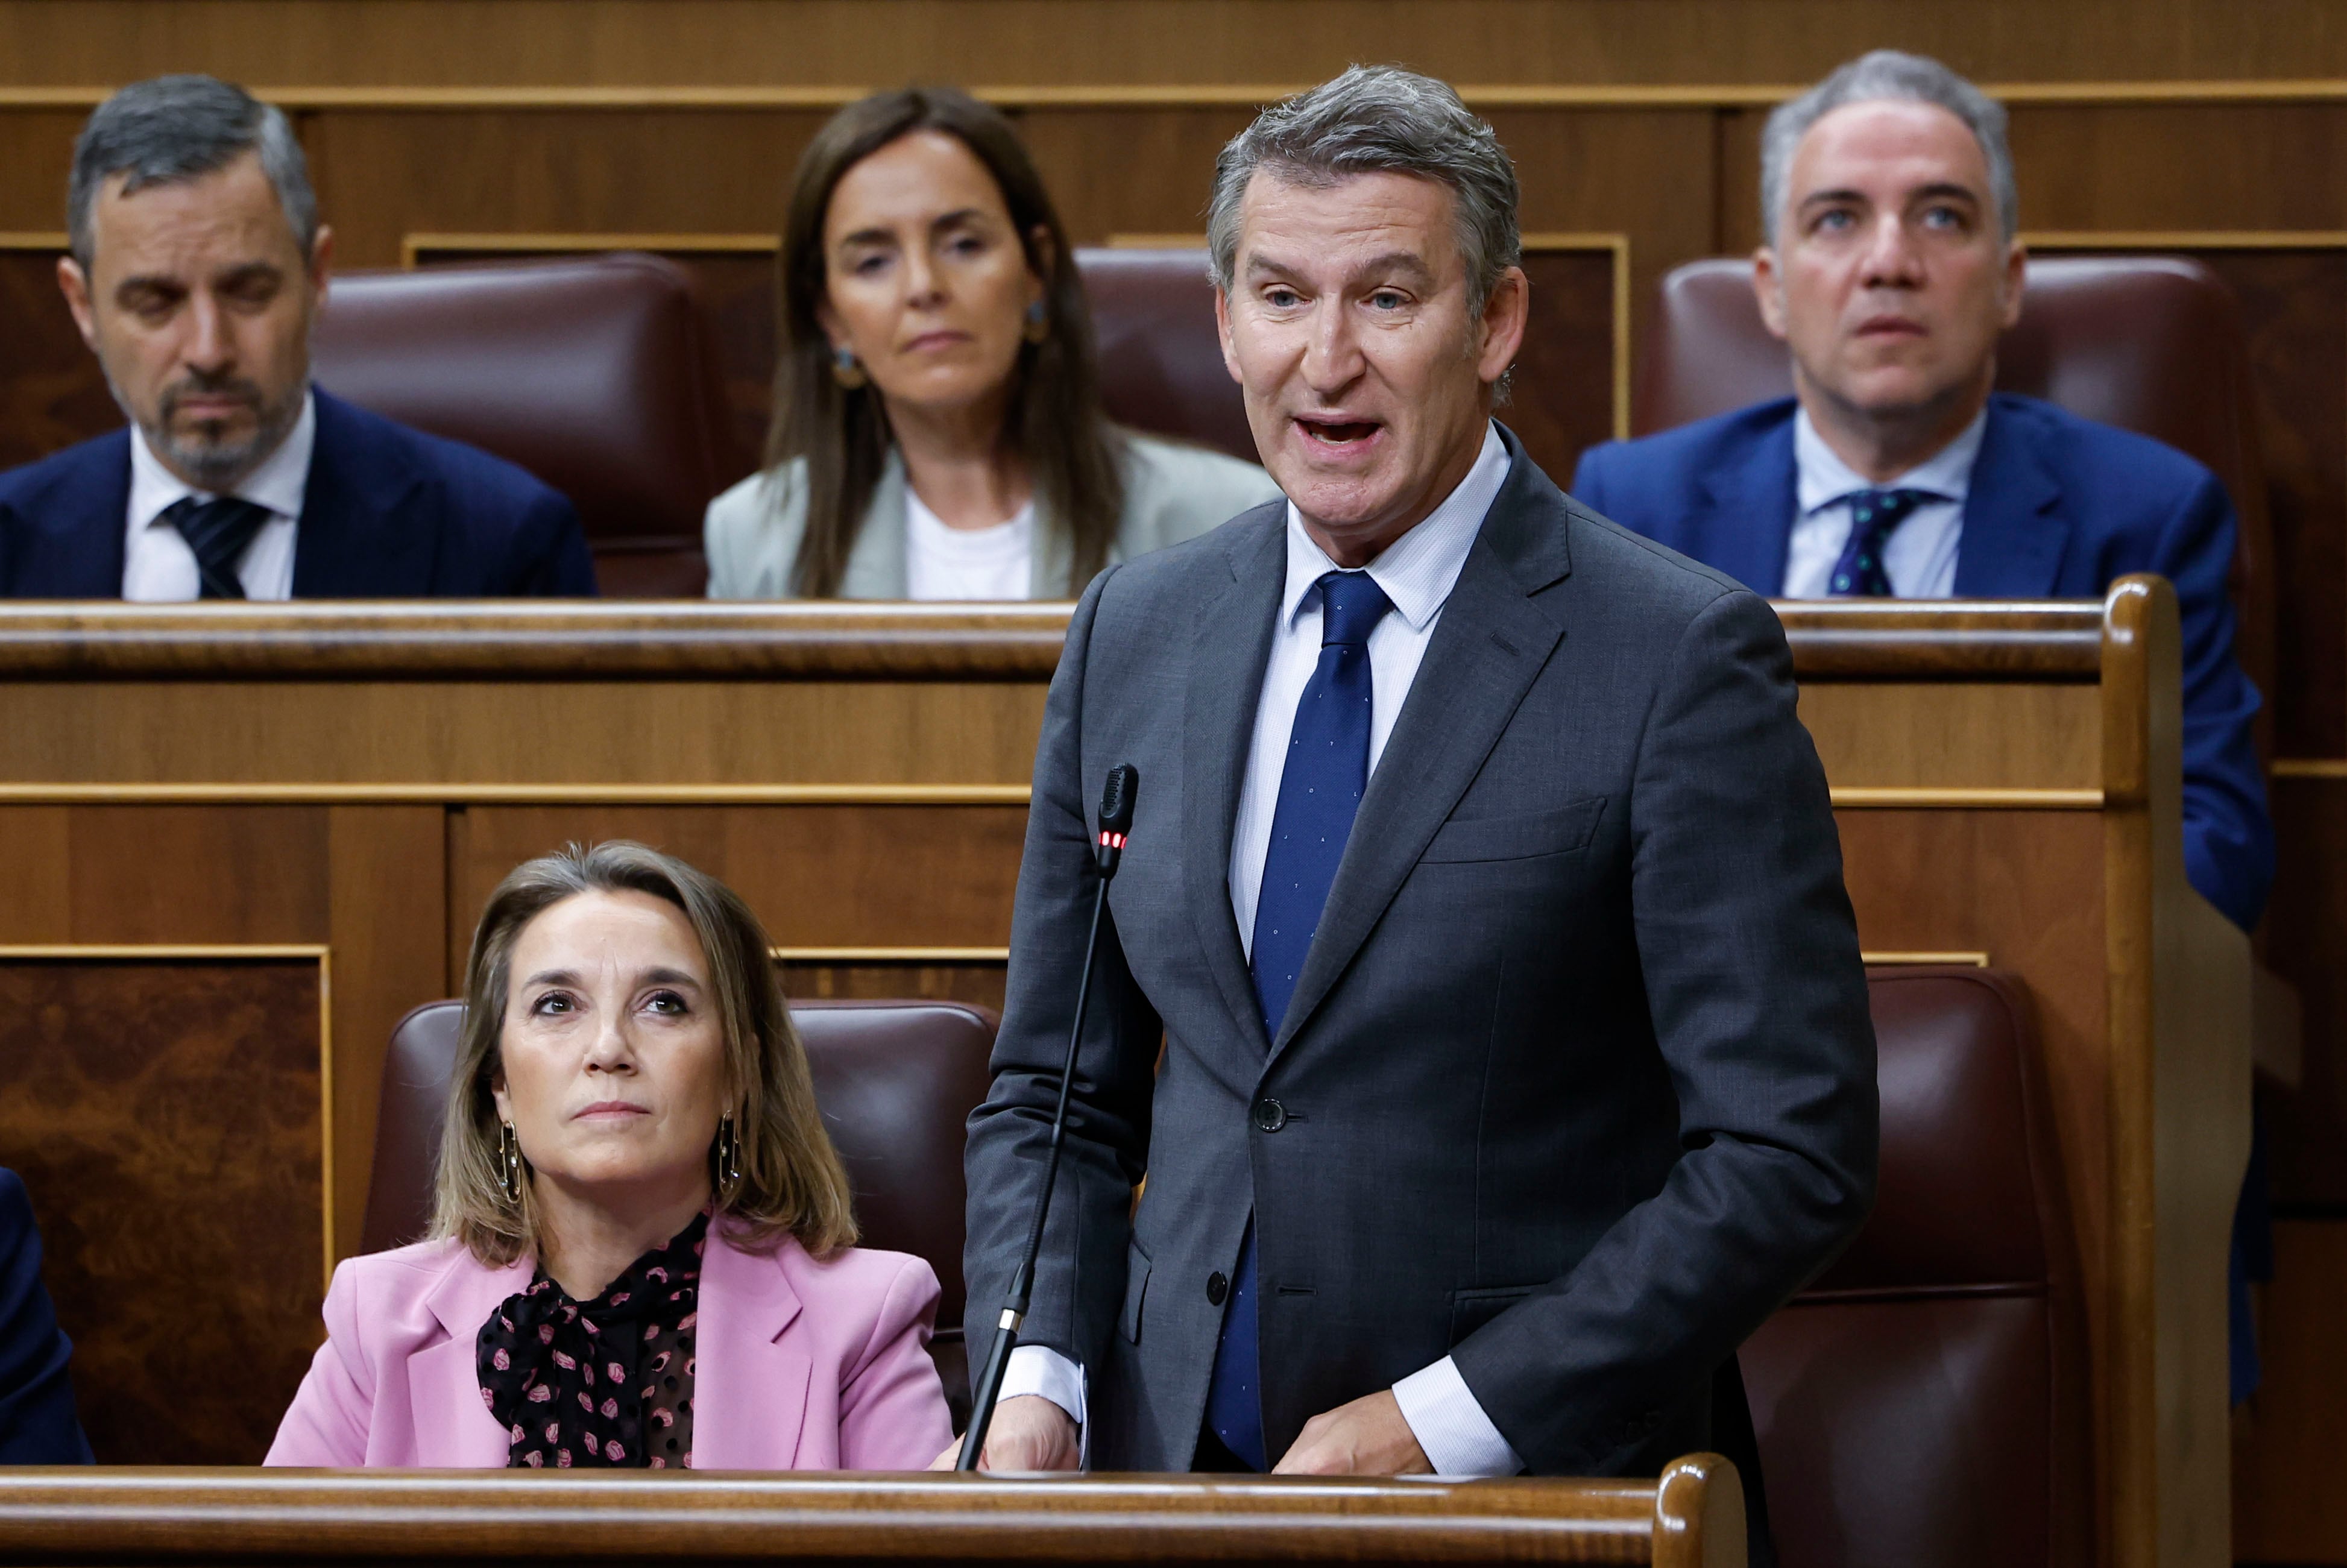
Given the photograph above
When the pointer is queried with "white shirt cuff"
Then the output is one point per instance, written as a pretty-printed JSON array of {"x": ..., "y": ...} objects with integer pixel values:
[
  {"x": 1449, "y": 1424},
  {"x": 1039, "y": 1369}
]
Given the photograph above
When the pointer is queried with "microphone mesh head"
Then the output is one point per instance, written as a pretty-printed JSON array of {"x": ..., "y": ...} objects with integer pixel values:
[{"x": 1117, "y": 798}]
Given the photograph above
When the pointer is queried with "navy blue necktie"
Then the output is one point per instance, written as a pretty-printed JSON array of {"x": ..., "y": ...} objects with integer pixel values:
[
  {"x": 220, "y": 531},
  {"x": 1860, "y": 574},
  {"x": 1320, "y": 786}
]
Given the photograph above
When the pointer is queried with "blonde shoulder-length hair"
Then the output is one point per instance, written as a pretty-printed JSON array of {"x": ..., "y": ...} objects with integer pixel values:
[{"x": 793, "y": 1182}]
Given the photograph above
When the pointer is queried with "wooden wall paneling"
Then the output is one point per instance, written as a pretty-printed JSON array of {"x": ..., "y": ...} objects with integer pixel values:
[
  {"x": 839, "y": 42},
  {"x": 2306, "y": 1129},
  {"x": 379, "y": 737},
  {"x": 881, "y": 978},
  {"x": 2287, "y": 1506},
  {"x": 385, "y": 867},
  {"x": 52, "y": 393},
  {"x": 164, "y": 1109},
  {"x": 38, "y": 144},
  {"x": 381, "y": 175},
  {"x": 819, "y": 877}
]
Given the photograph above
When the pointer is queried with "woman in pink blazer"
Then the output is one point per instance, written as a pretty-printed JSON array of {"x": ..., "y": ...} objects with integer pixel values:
[{"x": 641, "y": 1253}]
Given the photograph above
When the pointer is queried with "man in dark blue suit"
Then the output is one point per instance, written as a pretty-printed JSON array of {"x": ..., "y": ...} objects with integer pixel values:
[
  {"x": 1888, "y": 197},
  {"x": 37, "y": 1409},
  {"x": 198, "y": 266}
]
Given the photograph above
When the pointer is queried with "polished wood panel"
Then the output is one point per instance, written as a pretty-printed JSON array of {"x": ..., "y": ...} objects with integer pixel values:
[
  {"x": 1951, "y": 735},
  {"x": 1692, "y": 1517},
  {"x": 810, "y": 42},
  {"x": 165, "y": 1117},
  {"x": 2286, "y": 1508}
]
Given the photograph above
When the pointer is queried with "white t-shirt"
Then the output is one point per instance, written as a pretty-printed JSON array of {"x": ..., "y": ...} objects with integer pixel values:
[{"x": 942, "y": 562}]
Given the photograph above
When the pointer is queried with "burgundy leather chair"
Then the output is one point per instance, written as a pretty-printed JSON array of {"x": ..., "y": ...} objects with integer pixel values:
[
  {"x": 895, "y": 1081},
  {"x": 594, "y": 373},
  {"x": 1924, "y": 1402},
  {"x": 2153, "y": 345},
  {"x": 1161, "y": 359}
]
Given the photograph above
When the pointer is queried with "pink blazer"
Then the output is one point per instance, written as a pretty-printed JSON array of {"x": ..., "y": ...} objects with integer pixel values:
[{"x": 803, "y": 1364}]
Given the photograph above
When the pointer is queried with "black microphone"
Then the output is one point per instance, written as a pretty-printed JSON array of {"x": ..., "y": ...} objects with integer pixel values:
[{"x": 1117, "y": 799}]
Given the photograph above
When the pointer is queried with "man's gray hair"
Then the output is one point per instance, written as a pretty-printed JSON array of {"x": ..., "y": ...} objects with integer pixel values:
[
  {"x": 173, "y": 128},
  {"x": 1378, "y": 120},
  {"x": 1886, "y": 75}
]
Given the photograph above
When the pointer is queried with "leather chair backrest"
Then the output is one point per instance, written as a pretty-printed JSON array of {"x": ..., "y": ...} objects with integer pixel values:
[
  {"x": 1923, "y": 1403},
  {"x": 2150, "y": 344},
  {"x": 594, "y": 373},
  {"x": 1161, "y": 358},
  {"x": 895, "y": 1081}
]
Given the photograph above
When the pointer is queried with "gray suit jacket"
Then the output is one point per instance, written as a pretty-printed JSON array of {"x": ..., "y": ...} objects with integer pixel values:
[{"x": 1578, "y": 1081}]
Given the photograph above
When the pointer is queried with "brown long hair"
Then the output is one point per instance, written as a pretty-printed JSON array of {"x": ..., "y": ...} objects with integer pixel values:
[
  {"x": 792, "y": 1179},
  {"x": 1054, "y": 418}
]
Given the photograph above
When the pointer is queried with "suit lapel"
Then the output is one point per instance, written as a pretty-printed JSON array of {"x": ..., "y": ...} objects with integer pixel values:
[
  {"x": 1226, "y": 667},
  {"x": 749, "y": 1384},
  {"x": 1489, "y": 643},
  {"x": 876, "y": 561},
  {"x": 359, "y": 537},
  {"x": 454, "y": 1429},
  {"x": 1750, "y": 528},
  {"x": 2013, "y": 533}
]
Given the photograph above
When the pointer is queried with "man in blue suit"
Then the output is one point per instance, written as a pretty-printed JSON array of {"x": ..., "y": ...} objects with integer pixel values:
[
  {"x": 1888, "y": 195},
  {"x": 36, "y": 1406},
  {"x": 198, "y": 266}
]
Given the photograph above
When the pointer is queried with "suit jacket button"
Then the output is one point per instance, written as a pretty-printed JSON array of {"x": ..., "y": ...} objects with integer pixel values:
[
  {"x": 1270, "y": 1115},
  {"x": 1216, "y": 1288}
]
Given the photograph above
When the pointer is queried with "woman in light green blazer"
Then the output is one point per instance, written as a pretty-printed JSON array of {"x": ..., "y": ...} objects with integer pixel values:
[{"x": 938, "y": 431}]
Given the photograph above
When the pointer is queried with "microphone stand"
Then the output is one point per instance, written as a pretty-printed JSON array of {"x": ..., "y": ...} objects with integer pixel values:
[{"x": 1116, "y": 822}]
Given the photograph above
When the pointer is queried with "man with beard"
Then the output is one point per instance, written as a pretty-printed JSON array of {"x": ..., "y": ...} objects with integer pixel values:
[{"x": 198, "y": 266}]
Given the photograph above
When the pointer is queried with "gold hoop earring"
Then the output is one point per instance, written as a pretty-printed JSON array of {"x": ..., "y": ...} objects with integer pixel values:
[
  {"x": 509, "y": 1162},
  {"x": 846, "y": 371},
  {"x": 1038, "y": 324},
  {"x": 728, "y": 1158}
]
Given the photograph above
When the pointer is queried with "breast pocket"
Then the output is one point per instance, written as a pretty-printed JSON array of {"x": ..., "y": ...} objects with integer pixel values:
[{"x": 1519, "y": 835}]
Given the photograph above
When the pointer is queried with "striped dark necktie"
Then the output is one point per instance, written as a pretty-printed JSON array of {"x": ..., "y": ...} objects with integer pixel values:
[{"x": 220, "y": 531}]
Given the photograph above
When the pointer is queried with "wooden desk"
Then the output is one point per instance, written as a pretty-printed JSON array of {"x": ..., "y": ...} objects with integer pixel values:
[
  {"x": 1692, "y": 1518},
  {"x": 236, "y": 842}
]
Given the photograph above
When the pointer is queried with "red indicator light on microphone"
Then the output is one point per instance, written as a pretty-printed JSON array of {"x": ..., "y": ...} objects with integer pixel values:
[{"x": 1111, "y": 841}]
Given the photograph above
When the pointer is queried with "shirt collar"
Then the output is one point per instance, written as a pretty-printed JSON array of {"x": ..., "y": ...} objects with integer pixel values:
[
  {"x": 1418, "y": 570},
  {"x": 1825, "y": 479},
  {"x": 278, "y": 484}
]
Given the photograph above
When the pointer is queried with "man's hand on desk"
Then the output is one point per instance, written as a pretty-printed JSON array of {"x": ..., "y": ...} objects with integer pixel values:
[
  {"x": 1029, "y": 1432},
  {"x": 1368, "y": 1437}
]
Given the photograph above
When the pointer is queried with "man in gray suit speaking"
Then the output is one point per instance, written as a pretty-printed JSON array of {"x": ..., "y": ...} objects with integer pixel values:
[{"x": 1484, "y": 893}]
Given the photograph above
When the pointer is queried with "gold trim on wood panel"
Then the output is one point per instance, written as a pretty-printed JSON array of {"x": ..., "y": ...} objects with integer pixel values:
[
  {"x": 1893, "y": 960},
  {"x": 34, "y": 239},
  {"x": 1903, "y": 798},
  {"x": 890, "y": 955},
  {"x": 458, "y": 794},
  {"x": 1093, "y": 94},
  {"x": 175, "y": 952},
  {"x": 411, "y": 246},
  {"x": 2310, "y": 768}
]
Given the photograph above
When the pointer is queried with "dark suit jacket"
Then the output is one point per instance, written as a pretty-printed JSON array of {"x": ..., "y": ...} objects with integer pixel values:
[
  {"x": 36, "y": 1406},
  {"x": 2058, "y": 507},
  {"x": 389, "y": 513},
  {"x": 1578, "y": 1078}
]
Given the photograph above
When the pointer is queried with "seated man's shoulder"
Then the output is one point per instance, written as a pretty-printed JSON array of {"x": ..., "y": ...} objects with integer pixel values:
[
  {"x": 478, "y": 483},
  {"x": 1686, "y": 453},
  {"x": 2125, "y": 466},
  {"x": 46, "y": 480}
]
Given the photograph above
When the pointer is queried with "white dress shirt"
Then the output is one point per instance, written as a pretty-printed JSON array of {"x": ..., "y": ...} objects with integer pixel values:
[
  {"x": 158, "y": 567},
  {"x": 1920, "y": 555},
  {"x": 1417, "y": 572},
  {"x": 941, "y": 561}
]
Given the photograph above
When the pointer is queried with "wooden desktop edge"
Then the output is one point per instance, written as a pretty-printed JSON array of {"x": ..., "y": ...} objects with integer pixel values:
[
  {"x": 592, "y": 639},
  {"x": 1692, "y": 1517}
]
